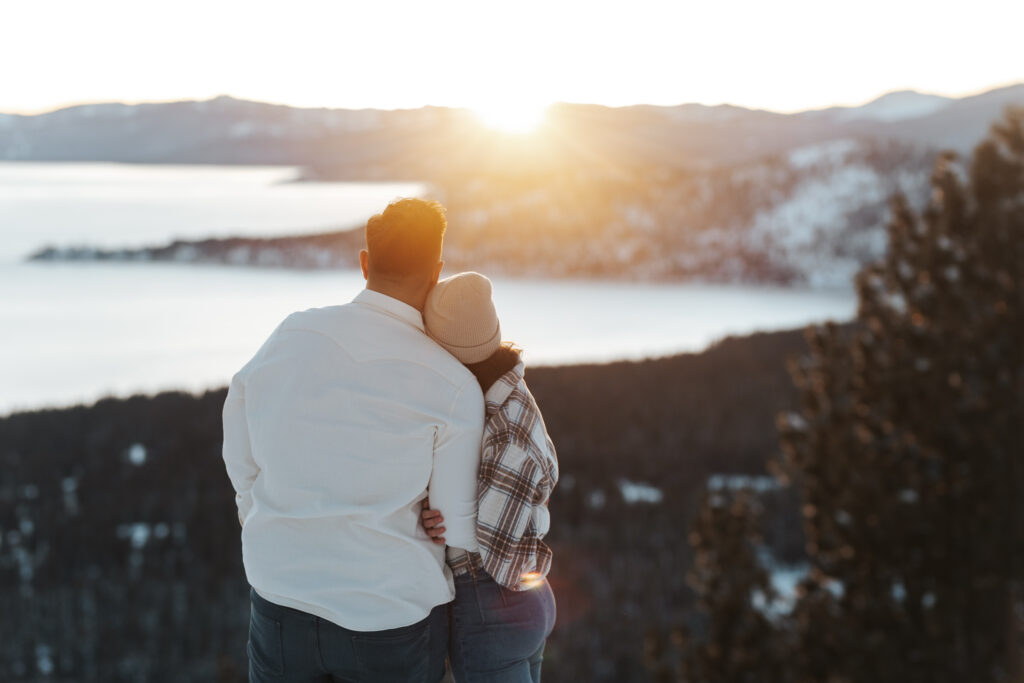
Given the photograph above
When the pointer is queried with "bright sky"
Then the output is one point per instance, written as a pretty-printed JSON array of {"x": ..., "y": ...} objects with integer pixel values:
[{"x": 784, "y": 55}]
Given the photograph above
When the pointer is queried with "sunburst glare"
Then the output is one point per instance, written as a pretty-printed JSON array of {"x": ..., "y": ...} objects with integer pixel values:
[{"x": 516, "y": 117}]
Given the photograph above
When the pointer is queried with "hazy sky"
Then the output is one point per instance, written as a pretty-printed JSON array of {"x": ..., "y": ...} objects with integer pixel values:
[{"x": 775, "y": 54}]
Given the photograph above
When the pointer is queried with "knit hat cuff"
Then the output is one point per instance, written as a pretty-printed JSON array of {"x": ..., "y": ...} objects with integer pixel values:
[{"x": 475, "y": 353}]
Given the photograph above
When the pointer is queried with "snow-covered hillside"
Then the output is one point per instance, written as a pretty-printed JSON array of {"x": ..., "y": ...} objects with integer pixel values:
[
  {"x": 833, "y": 221},
  {"x": 813, "y": 216}
]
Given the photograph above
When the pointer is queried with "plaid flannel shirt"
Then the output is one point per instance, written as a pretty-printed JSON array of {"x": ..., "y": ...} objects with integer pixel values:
[{"x": 518, "y": 470}]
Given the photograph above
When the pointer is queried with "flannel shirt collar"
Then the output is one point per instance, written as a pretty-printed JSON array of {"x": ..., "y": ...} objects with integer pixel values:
[
  {"x": 503, "y": 387},
  {"x": 391, "y": 307}
]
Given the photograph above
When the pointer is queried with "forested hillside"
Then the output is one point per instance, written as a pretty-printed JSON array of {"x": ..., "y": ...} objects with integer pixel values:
[{"x": 119, "y": 550}]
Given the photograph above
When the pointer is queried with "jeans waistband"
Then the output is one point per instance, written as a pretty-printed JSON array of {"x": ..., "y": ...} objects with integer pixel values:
[{"x": 272, "y": 608}]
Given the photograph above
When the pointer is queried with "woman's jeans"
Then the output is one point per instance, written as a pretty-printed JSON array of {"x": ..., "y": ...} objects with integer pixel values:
[
  {"x": 289, "y": 645},
  {"x": 497, "y": 635}
]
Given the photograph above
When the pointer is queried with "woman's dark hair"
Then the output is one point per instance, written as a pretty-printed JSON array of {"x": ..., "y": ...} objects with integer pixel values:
[{"x": 489, "y": 370}]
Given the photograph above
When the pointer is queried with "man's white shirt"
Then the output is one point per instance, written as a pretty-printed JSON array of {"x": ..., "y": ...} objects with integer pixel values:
[{"x": 334, "y": 433}]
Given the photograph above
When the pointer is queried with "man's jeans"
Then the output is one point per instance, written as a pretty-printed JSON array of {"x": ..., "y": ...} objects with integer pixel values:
[
  {"x": 497, "y": 634},
  {"x": 289, "y": 645}
]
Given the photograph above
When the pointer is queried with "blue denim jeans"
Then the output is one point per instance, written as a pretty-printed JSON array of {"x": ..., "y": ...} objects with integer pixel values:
[
  {"x": 289, "y": 645},
  {"x": 498, "y": 635}
]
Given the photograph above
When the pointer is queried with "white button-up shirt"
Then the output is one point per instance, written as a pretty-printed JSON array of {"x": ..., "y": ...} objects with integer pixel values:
[{"x": 334, "y": 433}]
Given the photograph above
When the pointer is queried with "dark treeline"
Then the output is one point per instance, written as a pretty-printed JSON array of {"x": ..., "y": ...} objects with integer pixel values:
[{"x": 119, "y": 543}]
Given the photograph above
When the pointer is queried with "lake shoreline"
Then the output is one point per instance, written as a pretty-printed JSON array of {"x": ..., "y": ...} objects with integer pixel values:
[{"x": 339, "y": 249}]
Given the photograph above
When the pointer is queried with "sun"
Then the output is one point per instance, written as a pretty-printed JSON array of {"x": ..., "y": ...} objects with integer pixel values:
[{"x": 514, "y": 117}]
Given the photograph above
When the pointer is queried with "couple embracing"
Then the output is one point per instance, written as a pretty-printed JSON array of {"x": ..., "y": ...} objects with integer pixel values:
[{"x": 392, "y": 473}]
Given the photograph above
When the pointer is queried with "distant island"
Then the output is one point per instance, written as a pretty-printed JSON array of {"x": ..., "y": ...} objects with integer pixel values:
[{"x": 339, "y": 249}]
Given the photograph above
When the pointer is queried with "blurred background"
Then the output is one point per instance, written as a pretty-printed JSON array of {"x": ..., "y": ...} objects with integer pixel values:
[{"x": 765, "y": 260}]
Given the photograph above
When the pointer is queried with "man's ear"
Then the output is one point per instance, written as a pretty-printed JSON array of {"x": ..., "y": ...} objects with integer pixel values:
[
  {"x": 437, "y": 273},
  {"x": 364, "y": 263}
]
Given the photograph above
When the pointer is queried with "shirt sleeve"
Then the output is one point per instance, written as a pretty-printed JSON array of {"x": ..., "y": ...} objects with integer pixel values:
[
  {"x": 237, "y": 451},
  {"x": 510, "y": 543},
  {"x": 453, "y": 480}
]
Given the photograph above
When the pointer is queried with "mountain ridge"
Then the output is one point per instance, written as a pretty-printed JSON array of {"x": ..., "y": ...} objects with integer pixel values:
[
  {"x": 229, "y": 98},
  {"x": 219, "y": 130}
]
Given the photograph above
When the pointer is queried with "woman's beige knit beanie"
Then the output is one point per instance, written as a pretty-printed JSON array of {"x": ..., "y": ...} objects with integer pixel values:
[{"x": 459, "y": 315}]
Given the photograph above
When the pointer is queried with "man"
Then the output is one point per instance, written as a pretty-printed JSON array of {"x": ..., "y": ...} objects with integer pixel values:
[{"x": 334, "y": 433}]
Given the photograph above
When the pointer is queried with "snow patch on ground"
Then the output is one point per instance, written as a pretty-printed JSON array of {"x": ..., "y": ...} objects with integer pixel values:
[
  {"x": 137, "y": 454},
  {"x": 833, "y": 152},
  {"x": 639, "y": 492},
  {"x": 785, "y": 580},
  {"x": 137, "y": 533},
  {"x": 742, "y": 482}
]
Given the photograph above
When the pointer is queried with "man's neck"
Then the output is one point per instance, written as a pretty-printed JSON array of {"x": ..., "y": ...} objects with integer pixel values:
[{"x": 413, "y": 297}]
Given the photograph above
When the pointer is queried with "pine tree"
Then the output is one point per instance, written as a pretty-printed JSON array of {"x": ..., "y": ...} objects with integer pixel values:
[
  {"x": 734, "y": 591},
  {"x": 906, "y": 448},
  {"x": 816, "y": 638}
]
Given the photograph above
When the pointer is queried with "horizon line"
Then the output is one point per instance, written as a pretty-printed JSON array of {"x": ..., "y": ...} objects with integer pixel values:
[{"x": 132, "y": 103}]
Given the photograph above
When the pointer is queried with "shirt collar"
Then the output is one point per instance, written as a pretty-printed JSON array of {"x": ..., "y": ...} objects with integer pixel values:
[
  {"x": 503, "y": 387},
  {"x": 390, "y": 306}
]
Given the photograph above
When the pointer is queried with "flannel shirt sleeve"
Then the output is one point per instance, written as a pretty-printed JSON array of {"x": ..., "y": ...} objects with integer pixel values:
[{"x": 510, "y": 545}]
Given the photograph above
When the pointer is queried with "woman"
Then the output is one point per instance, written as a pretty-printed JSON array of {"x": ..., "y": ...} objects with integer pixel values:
[{"x": 504, "y": 609}]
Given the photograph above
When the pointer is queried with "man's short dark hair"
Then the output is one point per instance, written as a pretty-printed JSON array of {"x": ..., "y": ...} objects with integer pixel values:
[{"x": 405, "y": 239}]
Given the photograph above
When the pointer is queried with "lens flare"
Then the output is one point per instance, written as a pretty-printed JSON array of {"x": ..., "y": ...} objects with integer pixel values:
[
  {"x": 513, "y": 117},
  {"x": 531, "y": 579}
]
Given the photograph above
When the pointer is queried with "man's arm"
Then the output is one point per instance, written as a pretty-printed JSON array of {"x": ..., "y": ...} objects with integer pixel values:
[
  {"x": 453, "y": 481},
  {"x": 237, "y": 452}
]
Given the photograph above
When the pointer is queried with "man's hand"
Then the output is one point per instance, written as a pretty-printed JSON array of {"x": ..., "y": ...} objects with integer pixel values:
[{"x": 432, "y": 521}]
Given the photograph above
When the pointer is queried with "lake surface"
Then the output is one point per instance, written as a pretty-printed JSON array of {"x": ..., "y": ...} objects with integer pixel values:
[
  {"x": 74, "y": 332},
  {"x": 134, "y": 205}
]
